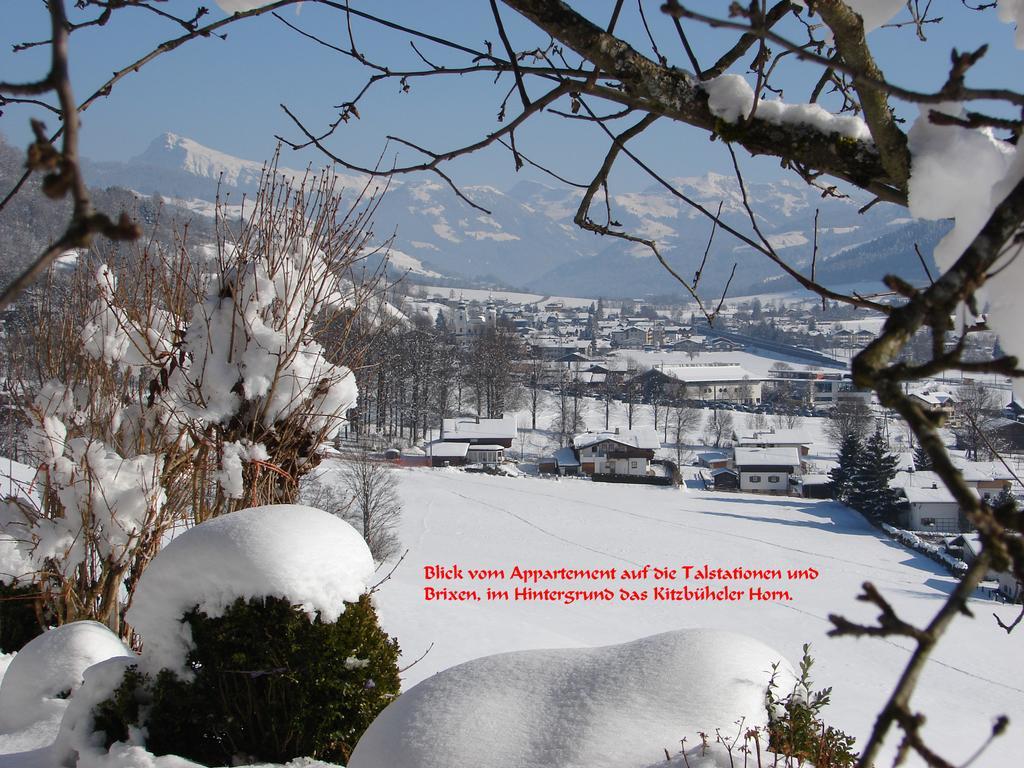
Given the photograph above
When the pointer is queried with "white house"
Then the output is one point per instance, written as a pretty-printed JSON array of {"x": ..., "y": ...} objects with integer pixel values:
[
  {"x": 930, "y": 505},
  {"x": 772, "y": 438},
  {"x": 718, "y": 381},
  {"x": 622, "y": 452},
  {"x": 767, "y": 470},
  {"x": 932, "y": 508},
  {"x": 1010, "y": 587}
]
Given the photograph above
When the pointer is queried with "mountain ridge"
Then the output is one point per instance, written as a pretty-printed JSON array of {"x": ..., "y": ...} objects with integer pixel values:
[{"x": 529, "y": 240}]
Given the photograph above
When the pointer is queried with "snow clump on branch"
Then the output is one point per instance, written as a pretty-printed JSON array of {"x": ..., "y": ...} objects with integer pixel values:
[
  {"x": 965, "y": 174},
  {"x": 731, "y": 98}
]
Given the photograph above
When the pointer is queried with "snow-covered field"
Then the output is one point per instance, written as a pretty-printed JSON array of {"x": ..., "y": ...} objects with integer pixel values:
[
  {"x": 473, "y": 521},
  {"x": 621, "y": 691}
]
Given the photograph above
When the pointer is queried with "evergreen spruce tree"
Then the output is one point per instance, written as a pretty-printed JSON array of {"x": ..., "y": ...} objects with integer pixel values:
[
  {"x": 922, "y": 461},
  {"x": 843, "y": 475},
  {"x": 875, "y": 469}
]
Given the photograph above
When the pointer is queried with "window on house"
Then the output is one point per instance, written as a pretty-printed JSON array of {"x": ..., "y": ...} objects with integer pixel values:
[
  {"x": 634, "y": 464},
  {"x": 927, "y": 521},
  {"x": 773, "y": 478},
  {"x": 755, "y": 478}
]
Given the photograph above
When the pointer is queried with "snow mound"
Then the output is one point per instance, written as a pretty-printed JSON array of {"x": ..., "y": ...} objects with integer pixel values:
[
  {"x": 305, "y": 555},
  {"x": 38, "y": 680},
  {"x": 619, "y": 705}
]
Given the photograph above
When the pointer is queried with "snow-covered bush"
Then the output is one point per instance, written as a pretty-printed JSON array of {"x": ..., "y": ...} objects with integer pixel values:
[
  {"x": 266, "y": 682},
  {"x": 259, "y": 640},
  {"x": 49, "y": 669},
  {"x": 199, "y": 386},
  {"x": 617, "y": 705}
]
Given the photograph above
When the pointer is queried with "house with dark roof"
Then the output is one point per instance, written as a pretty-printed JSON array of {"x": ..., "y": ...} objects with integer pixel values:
[
  {"x": 622, "y": 452},
  {"x": 480, "y": 431}
]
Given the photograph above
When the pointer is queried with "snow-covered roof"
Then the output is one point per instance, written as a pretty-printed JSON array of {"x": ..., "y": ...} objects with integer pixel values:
[
  {"x": 928, "y": 495},
  {"x": 309, "y": 557},
  {"x": 484, "y": 447},
  {"x": 767, "y": 457},
  {"x": 446, "y": 450},
  {"x": 777, "y": 437},
  {"x": 485, "y": 429},
  {"x": 984, "y": 470},
  {"x": 566, "y": 458},
  {"x": 701, "y": 373},
  {"x": 713, "y": 456},
  {"x": 644, "y": 439},
  {"x": 937, "y": 399},
  {"x": 722, "y": 471}
]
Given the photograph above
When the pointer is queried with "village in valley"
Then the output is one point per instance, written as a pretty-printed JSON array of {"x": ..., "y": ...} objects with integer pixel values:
[
  {"x": 636, "y": 393},
  {"x": 522, "y": 384}
]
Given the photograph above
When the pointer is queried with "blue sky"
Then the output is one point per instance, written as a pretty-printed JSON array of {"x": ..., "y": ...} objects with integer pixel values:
[{"x": 227, "y": 93}]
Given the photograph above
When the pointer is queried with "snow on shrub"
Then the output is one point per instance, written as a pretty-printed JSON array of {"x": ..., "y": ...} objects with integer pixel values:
[
  {"x": 935, "y": 552},
  {"x": 81, "y": 531},
  {"x": 574, "y": 708},
  {"x": 199, "y": 386},
  {"x": 310, "y": 558},
  {"x": 259, "y": 641},
  {"x": 49, "y": 669}
]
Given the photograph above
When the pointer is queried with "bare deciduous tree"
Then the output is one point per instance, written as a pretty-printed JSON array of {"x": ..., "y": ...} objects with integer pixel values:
[
  {"x": 718, "y": 427},
  {"x": 684, "y": 419},
  {"x": 849, "y": 417},
  {"x": 375, "y": 509}
]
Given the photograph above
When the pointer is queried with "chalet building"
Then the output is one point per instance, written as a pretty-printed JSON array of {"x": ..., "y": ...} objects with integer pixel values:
[
  {"x": 721, "y": 344},
  {"x": 622, "y": 452},
  {"x": 483, "y": 432},
  {"x": 846, "y": 339},
  {"x": 783, "y": 438},
  {"x": 930, "y": 505},
  {"x": 1010, "y": 587},
  {"x": 1005, "y": 434},
  {"x": 714, "y": 459},
  {"x": 937, "y": 402},
  {"x": 932, "y": 508},
  {"x": 715, "y": 382},
  {"x": 631, "y": 337},
  {"x": 558, "y": 347},
  {"x": 767, "y": 470},
  {"x": 688, "y": 344},
  {"x": 987, "y": 477},
  {"x": 821, "y": 389}
]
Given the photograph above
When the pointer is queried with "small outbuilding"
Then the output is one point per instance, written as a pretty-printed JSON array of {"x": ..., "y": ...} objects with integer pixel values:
[
  {"x": 445, "y": 454},
  {"x": 725, "y": 479}
]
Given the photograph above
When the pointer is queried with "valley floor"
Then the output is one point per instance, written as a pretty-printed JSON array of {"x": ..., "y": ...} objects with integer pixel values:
[{"x": 473, "y": 521}]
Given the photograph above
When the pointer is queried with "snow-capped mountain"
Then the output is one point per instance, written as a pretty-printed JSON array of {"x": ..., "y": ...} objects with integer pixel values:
[{"x": 527, "y": 238}]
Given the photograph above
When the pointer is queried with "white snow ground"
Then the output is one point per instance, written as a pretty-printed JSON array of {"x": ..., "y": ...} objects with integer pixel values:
[
  {"x": 452, "y": 518},
  {"x": 474, "y": 521}
]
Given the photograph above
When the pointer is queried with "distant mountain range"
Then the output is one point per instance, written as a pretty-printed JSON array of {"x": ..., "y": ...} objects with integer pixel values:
[{"x": 529, "y": 241}]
